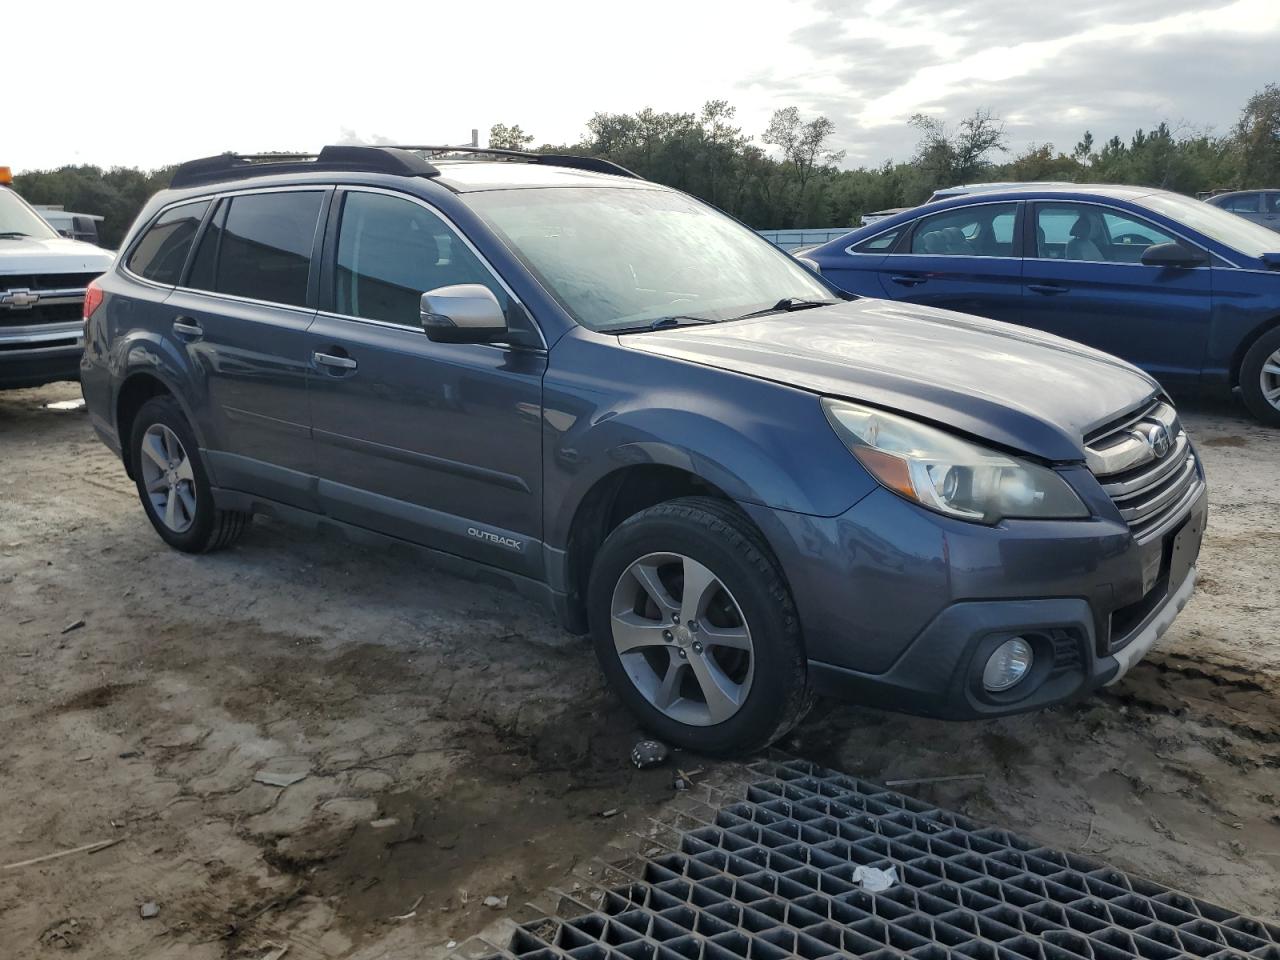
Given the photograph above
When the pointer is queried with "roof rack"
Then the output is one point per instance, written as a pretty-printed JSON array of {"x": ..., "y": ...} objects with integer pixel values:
[
  {"x": 334, "y": 159},
  {"x": 404, "y": 161},
  {"x": 572, "y": 161}
]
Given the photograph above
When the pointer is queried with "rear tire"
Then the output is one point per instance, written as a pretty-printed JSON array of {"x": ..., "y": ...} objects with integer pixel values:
[
  {"x": 173, "y": 484},
  {"x": 735, "y": 679},
  {"x": 1260, "y": 378}
]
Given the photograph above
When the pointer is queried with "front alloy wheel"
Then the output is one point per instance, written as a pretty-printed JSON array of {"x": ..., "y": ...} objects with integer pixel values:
[
  {"x": 168, "y": 478},
  {"x": 694, "y": 627},
  {"x": 682, "y": 639}
]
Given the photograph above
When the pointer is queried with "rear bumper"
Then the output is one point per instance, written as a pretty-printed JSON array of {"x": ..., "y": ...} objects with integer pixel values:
[{"x": 40, "y": 353}]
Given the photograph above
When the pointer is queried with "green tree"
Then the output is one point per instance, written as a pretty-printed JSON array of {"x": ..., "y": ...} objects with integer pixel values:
[
  {"x": 1257, "y": 138},
  {"x": 502, "y": 137}
]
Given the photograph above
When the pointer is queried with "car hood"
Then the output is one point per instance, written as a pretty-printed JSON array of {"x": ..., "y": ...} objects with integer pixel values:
[
  {"x": 26, "y": 255},
  {"x": 1017, "y": 388}
]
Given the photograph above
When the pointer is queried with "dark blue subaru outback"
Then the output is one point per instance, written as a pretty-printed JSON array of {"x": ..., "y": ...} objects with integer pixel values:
[{"x": 745, "y": 485}]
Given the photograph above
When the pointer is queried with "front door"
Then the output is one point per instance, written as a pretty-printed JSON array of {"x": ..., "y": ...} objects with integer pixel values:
[
  {"x": 431, "y": 442},
  {"x": 1085, "y": 281},
  {"x": 242, "y": 317}
]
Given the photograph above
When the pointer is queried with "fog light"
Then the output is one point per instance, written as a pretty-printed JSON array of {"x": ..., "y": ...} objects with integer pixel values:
[{"x": 1009, "y": 664}]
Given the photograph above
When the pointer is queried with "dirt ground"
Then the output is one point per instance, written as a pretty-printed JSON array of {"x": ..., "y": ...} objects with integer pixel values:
[{"x": 456, "y": 745}]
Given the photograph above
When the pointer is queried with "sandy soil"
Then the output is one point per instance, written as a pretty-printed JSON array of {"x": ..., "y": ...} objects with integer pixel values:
[{"x": 457, "y": 745}]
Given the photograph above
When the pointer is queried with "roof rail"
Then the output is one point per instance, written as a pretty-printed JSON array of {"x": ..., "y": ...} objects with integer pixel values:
[
  {"x": 572, "y": 161},
  {"x": 333, "y": 159}
]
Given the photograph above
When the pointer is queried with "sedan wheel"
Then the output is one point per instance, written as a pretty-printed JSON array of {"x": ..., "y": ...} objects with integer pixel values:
[
  {"x": 168, "y": 478},
  {"x": 682, "y": 639},
  {"x": 1270, "y": 380}
]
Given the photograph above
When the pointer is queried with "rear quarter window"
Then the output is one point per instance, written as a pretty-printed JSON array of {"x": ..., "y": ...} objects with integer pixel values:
[{"x": 162, "y": 251}]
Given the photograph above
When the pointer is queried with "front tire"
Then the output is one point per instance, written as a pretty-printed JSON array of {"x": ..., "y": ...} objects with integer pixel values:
[
  {"x": 173, "y": 483},
  {"x": 695, "y": 629},
  {"x": 1260, "y": 378}
]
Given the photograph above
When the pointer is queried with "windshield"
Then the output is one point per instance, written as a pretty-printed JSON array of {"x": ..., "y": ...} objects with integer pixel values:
[
  {"x": 1251, "y": 239},
  {"x": 618, "y": 258},
  {"x": 19, "y": 220}
]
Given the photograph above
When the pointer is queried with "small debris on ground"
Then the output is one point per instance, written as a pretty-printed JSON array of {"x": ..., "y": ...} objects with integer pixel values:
[
  {"x": 875, "y": 881},
  {"x": 611, "y": 812},
  {"x": 412, "y": 911},
  {"x": 280, "y": 778},
  {"x": 73, "y": 625},
  {"x": 919, "y": 780},
  {"x": 149, "y": 909},
  {"x": 495, "y": 903},
  {"x": 649, "y": 753},
  {"x": 384, "y": 823}
]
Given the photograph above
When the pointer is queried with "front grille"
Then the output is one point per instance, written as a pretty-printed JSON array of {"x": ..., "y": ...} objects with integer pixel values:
[
  {"x": 41, "y": 313},
  {"x": 1147, "y": 467},
  {"x": 45, "y": 281}
]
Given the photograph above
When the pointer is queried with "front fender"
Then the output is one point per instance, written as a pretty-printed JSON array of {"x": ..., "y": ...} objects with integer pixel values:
[{"x": 759, "y": 442}]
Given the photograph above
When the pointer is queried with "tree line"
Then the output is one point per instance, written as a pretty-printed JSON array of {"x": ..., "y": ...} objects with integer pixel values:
[{"x": 791, "y": 176}]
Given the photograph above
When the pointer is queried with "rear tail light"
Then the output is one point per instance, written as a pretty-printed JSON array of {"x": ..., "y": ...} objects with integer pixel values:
[{"x": 92, "y": 299}]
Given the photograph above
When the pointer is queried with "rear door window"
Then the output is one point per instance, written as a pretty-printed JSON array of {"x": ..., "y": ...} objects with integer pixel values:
[
  {"x": 259, "y": 247},
  {"x": 882, "y": 243},
  {"x": 982, "y": 230},
  {"x": 161, "y": 253}
]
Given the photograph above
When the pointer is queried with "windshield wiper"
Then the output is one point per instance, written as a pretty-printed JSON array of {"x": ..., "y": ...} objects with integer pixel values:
[
  {"x": 10, "y": 234},
  {"x": 661, "y": 323},
  {"x": 787, "y": 305}
]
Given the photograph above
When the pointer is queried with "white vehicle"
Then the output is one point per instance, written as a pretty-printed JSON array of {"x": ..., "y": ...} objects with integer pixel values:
[
  {"x": 43, "y": 277},
  {"x": 77, "y": 226}
]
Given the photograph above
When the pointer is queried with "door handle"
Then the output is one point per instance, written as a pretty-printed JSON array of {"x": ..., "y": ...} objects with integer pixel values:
[
  {"x": 333, "y": 361},
  {"x": 187, "y": 328},
  {"x": 1048, "y": 289},
  {"x": 908, "y": 280}
]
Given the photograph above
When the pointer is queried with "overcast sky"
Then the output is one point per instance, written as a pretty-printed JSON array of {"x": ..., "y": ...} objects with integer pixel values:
[{"x": 150, "y": 83}]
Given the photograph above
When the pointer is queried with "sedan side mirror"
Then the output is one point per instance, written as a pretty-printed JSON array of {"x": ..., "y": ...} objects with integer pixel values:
[
  {"x": 1173, "y": 255},
  {"x": 463, "y": 313}
]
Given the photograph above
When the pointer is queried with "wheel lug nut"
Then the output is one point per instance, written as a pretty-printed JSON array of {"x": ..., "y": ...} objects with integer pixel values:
[
  {"x": 675, "y": 618},
  {"x": 683, "y": 655},
  {"x": 666, "y": 635},
  {"x": 697, "y": 647},
  {"x": 693, "y": 625}
]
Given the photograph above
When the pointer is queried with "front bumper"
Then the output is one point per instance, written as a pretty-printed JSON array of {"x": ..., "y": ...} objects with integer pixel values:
[
  {"x": 36, "y": 354},
  {"x": 901, "y": 608}
]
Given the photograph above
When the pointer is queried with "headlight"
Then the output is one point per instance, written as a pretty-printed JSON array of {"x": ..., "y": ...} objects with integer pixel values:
[{"x": 947, "y": 474}]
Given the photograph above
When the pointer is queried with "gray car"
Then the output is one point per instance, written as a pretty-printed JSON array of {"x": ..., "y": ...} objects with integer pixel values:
[
  {"x": 747, "y": 487},
  {"x": 1260, "y": 206}
]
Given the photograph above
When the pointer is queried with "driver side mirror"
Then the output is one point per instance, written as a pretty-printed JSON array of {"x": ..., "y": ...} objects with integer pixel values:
[
  {"x": 1173, "y": 255},
  {"x": 463, "y": 313}
]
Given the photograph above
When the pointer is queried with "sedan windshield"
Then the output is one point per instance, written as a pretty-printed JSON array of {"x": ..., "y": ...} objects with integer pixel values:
[
  {"x": 19, "y": 220},
  {"x": 1251, "y": 239},
  {"x": 630, "y": 257}
]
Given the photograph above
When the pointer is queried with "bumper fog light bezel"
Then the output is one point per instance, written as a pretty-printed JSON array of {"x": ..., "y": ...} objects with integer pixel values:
[{"x": 1013, "y": 650}]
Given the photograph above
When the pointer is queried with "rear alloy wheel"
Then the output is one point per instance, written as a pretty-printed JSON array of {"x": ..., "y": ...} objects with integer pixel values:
[
  {"x": 1260, "y": 378},
  {"x": 173, "y": 484},
  {"x": 167, "y": 476},
  {"x": 695, "y": 628}
]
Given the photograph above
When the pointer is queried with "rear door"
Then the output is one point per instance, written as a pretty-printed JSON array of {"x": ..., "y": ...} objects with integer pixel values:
[
  {"x": 242, "y": 318},
  {"x": 965, "y": 259},
  {"x": 432, "y": 442},
  {"x": 1085, "y": 280}
]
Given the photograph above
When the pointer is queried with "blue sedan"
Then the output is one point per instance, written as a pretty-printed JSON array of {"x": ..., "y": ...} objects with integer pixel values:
[{"x": 1184, "y": 290}]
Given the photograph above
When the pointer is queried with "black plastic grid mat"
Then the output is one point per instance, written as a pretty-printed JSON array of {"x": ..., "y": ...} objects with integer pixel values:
[{"x": 770, "y": 876}]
